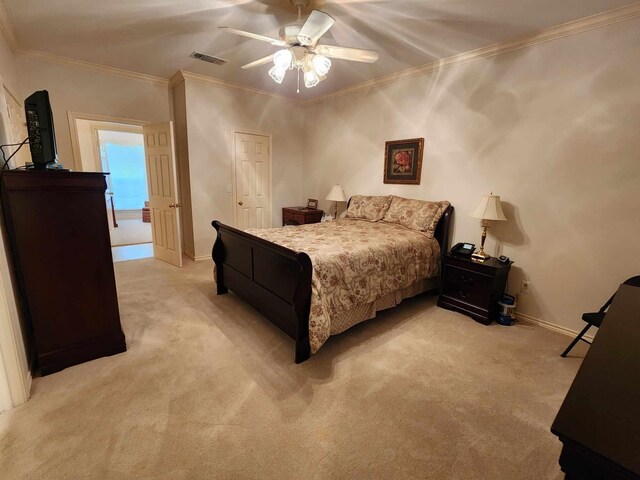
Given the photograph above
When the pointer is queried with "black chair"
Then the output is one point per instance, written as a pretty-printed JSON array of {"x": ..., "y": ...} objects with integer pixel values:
[{"x": 594, "y": 319}]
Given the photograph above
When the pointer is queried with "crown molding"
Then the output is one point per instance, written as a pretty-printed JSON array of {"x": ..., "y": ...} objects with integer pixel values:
[
  {"x": 183, "y": 75},
  {"x": 72, "y": 62},
  {"x": 574, "y": 27},
  {"x": 7, "y": 29},
  {"x": 176, "y": 79}
]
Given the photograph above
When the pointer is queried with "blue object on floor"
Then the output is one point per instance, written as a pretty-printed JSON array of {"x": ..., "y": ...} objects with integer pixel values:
[{"x": 507, "y": 315}]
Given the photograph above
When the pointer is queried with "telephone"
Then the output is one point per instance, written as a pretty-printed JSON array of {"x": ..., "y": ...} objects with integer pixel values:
[{"x": 463, "y": 249}]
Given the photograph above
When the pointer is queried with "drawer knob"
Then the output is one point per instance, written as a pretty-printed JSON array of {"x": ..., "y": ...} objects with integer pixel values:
[{"x": 463, "y": 293}]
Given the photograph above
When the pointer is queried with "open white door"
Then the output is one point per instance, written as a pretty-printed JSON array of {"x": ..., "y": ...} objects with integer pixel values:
[{"x": 164, "y": 204}]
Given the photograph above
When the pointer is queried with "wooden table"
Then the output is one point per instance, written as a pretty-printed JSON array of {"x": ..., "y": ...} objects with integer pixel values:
[
  {"x": 599, "y": 421},
  {"x": 300, "y": 215}
]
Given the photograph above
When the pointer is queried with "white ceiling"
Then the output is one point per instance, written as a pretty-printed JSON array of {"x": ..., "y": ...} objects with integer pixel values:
[{"x": 156, "y": 36}]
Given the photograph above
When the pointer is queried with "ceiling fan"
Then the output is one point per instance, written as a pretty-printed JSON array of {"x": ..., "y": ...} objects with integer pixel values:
[{"x": 302, "y": 51}]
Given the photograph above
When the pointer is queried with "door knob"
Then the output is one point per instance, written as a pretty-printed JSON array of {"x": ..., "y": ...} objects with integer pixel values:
[
  {"x": 174, "y": 205},
  {"x": 240, "y": 203}
]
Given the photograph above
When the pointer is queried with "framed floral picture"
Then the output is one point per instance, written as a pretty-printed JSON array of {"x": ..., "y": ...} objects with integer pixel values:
[{"x": 403, "y": 161}]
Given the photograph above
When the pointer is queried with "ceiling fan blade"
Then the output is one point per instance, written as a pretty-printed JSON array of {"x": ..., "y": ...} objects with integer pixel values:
[
  {"x": 316, "y": 25},
  {"x": 257, "y": 63},
  {"x": 345, "y": 53},
  {"x": 255, "y": 36}
]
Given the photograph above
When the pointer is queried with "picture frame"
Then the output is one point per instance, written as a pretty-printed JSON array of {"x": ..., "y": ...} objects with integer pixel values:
[
  {"x": 403, "y": 161},
  {"x": 312, "y": 204}
]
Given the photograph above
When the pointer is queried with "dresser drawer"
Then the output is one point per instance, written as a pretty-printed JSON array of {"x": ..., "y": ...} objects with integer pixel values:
[{"x": 467, "y": 286}]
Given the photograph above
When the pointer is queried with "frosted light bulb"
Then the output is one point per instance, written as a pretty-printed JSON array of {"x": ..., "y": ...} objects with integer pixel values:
[
  {"x": 277, "y": 74},
  {"x": 282, "y": 59},
  {"x": 311, "y": 79},
  {"x": 321, "y": 64}
]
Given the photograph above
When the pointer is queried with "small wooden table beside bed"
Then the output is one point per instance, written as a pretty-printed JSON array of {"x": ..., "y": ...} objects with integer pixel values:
[{"x": 317, "y": 280}]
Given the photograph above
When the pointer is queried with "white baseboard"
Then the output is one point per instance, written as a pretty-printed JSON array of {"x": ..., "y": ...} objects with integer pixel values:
[
  {"x": 191, "y": 256},
  {"x": 550, "y": 326}
]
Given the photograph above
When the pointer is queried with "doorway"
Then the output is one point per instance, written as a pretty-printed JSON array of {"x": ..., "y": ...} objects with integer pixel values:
[
  {"x": 122, "y": 155},
  {"x": 118, "y": 149},
  {"x": 103, "y": 144}
]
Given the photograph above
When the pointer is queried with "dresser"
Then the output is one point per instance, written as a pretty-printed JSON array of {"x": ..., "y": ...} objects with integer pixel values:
[
  {"x": 61, "y": 253},
  {"x": 473, "y": 288},
  {"x": 300, "y": 215}
]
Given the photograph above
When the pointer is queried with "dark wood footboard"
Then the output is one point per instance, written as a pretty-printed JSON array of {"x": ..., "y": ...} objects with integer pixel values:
[{"x": 274, "y": 280}]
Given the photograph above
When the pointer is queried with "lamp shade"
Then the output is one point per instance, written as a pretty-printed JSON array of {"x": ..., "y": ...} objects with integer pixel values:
[
  {"x": 337, "y": 194},
  {"x": 489, "y": 208}
]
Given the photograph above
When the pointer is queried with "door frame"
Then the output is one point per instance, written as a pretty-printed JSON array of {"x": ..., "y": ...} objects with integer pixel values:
[
  {"x": 15, "y": 368},
  {"x": 234, "y": 191},
  {"x": 75, "y": 139}
]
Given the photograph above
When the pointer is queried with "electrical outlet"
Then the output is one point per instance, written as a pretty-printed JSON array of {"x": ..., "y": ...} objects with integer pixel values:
[{"x": 525, "y": 286}]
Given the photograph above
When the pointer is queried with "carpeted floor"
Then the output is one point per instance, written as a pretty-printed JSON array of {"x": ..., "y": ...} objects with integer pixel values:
[
  {"x": 208, "y": 390},
  {"x": 130, "y": 232}
]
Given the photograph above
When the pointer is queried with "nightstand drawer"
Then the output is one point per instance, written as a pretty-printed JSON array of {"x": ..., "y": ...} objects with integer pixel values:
[
  {"x": 467, "y": 286},
  {"x": 295, "y": 218},
  {"x": 473, "y": 288}
]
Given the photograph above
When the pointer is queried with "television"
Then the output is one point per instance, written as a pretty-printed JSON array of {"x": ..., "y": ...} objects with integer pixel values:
[{"x": 42, "y": 137}]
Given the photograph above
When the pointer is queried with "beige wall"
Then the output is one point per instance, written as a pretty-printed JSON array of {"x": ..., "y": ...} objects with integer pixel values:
[
  {"x": 75, "y": 89},
  {"x": 552, "y": 128},
  {"x": 212, "y": 114}
]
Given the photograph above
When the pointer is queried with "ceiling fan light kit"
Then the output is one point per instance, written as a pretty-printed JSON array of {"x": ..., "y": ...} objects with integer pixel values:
[{"x": 303, "y": 52}]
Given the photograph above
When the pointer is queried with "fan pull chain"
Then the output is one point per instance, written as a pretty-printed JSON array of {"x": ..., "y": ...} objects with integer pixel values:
[{"x": 298, "y": 81}]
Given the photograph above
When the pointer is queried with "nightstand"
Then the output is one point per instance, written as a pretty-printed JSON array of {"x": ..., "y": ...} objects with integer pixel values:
[
  {"x": 300, "y": 215},
  {"x": 473, "y": 288}
]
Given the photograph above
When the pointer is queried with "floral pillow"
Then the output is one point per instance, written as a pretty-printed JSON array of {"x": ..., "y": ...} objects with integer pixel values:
[
  {"x": 368, "y": 208},
  {"x": 419, "y": 215}
]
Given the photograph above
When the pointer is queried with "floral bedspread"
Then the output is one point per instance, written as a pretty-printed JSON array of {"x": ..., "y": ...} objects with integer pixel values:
[{"x": 355, "y": 262}]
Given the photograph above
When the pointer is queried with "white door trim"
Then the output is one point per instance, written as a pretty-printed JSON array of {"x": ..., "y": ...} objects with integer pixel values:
[
  {"x": 14, "y": 374},
  {"x": 73, "y": 128},
  {"x": 234, "y": 191},
  {"x": 15, "y": 377}
]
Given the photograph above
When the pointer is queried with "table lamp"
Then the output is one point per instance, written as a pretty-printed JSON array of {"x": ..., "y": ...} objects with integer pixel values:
[
  {"x": 489, "y": 208},
  {"x": 336, "y": 195}
]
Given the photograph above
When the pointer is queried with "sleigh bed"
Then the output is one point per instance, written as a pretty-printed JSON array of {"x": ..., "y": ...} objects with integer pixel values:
[{"x": 363, "y": 264}]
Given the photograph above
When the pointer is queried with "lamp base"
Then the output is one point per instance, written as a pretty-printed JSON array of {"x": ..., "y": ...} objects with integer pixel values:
[{"x": 480, "y": 256}]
